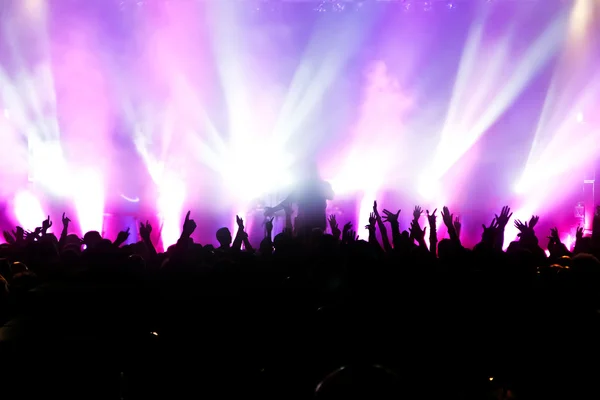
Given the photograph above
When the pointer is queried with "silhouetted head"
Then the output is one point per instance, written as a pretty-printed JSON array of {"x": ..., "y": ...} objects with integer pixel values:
[
  {"x": 586, "y": 266},
  {"x": 266, "y": 247},
  {"x": 92, "y": 239},
  {"x": 224, "y": 237},
  {"x": 70, "y": 257},
  {"x": 18, "y": 268},
  {"x": 74, "y": 240},
  {"x": 445, "y": 249}
]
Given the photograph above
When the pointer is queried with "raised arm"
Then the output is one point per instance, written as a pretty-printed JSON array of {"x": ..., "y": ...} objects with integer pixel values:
[
  {"x": 449, "y": 222},
  {"x": 145, "y": 231},
  {"x": 393, "y": 220},
  {"x": 335, "y": 229},
  {"x": 241, "y": 237},
  {"x": 65, "y": 232},
  {"x": 270, "y": 211},
  {"x": 372, "y": 228},
  {"x": 433, "y": 239},
  {"x": 502, "y": 221},
  {"x": 382, "y": 229}
]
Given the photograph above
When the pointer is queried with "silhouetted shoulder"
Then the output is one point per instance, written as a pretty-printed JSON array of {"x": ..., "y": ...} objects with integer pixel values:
[{"x": 327, "y": 190}]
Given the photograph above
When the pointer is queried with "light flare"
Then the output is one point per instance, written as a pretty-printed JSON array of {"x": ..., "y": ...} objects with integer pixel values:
[
  {"x": 89, "y": 200},
  {"x": 28, "y": 210}
]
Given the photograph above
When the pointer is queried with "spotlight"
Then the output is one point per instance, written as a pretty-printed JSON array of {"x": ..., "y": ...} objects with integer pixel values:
[
  {"x": 579, "y": 117},
  {"x": 427, "y": 6},
  {"x": 520, "y": 187},
  {"x": 450, "y": 5}
]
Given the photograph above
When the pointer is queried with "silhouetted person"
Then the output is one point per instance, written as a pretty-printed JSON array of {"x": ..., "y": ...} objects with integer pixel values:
[
  {"x": 310, "y": 196},
  {"x": 224, "y": 238}
]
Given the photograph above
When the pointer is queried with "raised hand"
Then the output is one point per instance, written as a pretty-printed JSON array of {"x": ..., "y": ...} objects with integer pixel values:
[
  {"x": 29, "y": 235},
  {"x": 554, "y": 235},
  {"x": 346, "y": 229},
  {"x": 447, "y": 217},
  {"x": 416, "y": 232},
  {"x": 350, "y": 236},
  {"x": 372, "y": 221},
  {"x": 522, "y": 227},
  {"x": 375, "y": 210},
  {"x": 189, "y": 225},
  {"x": 431, "y": 218},
  {"x": 417, "y": 213},
  {"x": 489, "y": 232},
  {"x": 123, "y": 236},
  {"x": 390, "y": 216},
  {"x": 269, "y": 224},
  {"x": 533, "y": 221},
  {"x": 65, "y": 221},
  {"x": 579, "y": 233},
  {"x": 240, "y": 222},
  {"x": 19, "y": 233},
  {"x": 145, "y": 230},
  {"x": 335, "y": 230},
  {"x": 493, "y": 225},
  {"x": 268, "y": 211},
  {"x": 457, "y": 225},
  {"x": 8, "y": 237},
  {"x": 332, "y": 221},
  {"x": 46, "y": 224},
  {"x": 504, "y": 217}
]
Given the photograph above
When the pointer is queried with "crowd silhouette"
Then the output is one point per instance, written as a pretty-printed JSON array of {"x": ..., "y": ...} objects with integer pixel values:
[{"x": 314, "y": 312}]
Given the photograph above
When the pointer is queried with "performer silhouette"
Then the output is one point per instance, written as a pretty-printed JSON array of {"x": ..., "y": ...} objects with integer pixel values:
[{"x": 310, "y": 197}]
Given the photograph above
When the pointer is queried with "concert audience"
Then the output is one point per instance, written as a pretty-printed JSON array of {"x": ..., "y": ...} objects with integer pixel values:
[{"x": 309, "y": 314}]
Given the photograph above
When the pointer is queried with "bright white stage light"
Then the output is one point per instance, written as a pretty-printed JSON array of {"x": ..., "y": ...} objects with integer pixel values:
[
  {"x": 28, "y": 210},
  {"x": 170, "y": 203},
  {"x": 89, "y": 200},
  {"x": 428, "y": 187}
]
